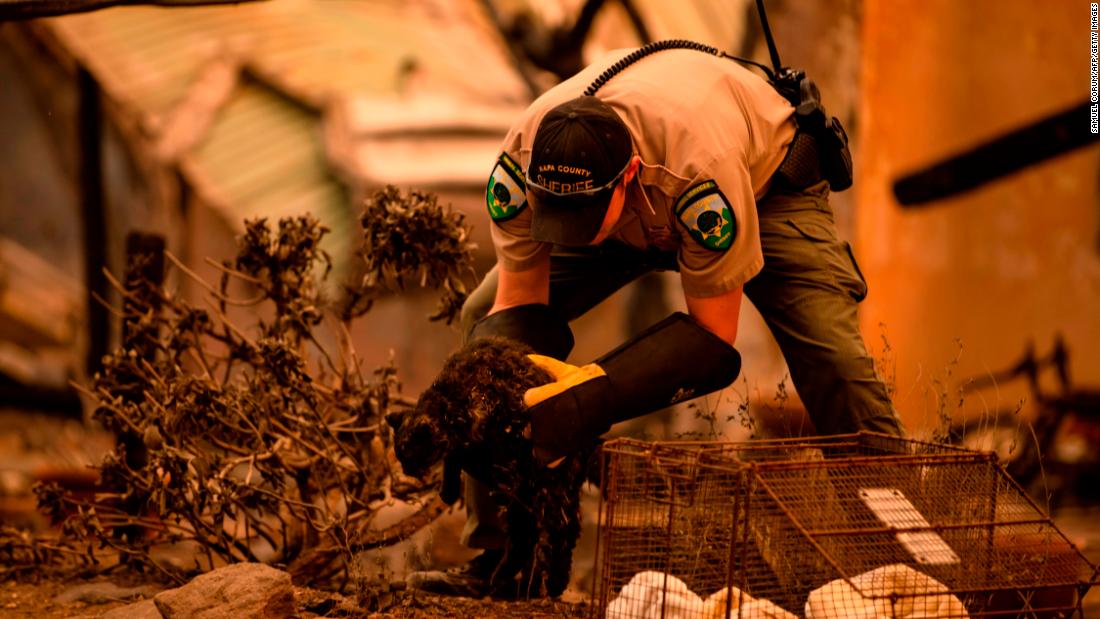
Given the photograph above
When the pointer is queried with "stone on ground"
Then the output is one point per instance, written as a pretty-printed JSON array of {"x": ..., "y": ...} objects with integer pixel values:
[
  {"x": 145, "y": 609},
  {"x": 102, "y": 592},
  {"x": 239, "y": 591}
]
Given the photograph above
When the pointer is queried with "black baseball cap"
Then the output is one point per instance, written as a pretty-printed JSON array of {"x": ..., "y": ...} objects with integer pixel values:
[{"x": 582, "y": 148}]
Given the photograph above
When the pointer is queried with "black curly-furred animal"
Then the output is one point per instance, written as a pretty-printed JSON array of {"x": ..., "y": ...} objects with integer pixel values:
[{"x": 473, "y": 415}]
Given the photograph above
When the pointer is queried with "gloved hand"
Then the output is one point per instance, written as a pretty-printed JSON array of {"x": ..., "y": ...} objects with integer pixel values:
[
  {"x": 536, "y": 325},
  {"x": 566, "y": 376},
  {"x": 547, "y": 438},
  {"x": 674, "y": 360}
]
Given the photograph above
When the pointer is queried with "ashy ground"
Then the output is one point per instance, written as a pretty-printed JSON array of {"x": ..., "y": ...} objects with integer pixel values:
[{"x": 41, "y": 601}]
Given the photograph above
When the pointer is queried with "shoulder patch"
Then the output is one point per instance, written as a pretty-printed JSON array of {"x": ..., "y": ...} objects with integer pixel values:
[
  {"x": 706, "y": 214},
  {"x": 506, "y": 194}
]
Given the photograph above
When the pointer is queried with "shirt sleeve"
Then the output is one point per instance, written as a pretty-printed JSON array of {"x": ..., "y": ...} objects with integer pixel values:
[
  {"x": 719, "y": 230},
  {"x": 515, "y": 249}
]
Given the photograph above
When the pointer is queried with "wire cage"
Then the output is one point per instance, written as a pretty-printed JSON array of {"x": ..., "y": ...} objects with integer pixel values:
[{"x": 853, "y": 526}]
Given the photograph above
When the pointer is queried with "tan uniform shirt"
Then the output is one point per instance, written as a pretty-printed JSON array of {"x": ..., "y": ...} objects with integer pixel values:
[{"x": 697, "y": 122}]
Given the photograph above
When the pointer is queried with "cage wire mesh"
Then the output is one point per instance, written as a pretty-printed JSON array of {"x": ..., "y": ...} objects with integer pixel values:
[{"x": 852, "y": 526}]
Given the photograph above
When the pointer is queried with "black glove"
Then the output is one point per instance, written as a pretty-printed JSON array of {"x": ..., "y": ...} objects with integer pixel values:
[
  {"x": 674, "y": 360},
  {"x": 536, "y": 325}
]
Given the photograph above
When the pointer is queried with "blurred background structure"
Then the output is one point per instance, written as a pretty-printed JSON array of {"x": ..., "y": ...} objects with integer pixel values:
[
  {"x": 185, "y": 121},
  {"x": 1016, "y": 260}
]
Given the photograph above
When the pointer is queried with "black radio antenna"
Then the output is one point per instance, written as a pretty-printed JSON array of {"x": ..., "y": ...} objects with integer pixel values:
[
  {"x": 772, "y": 51},
  {"x": 784, "y": 80}
]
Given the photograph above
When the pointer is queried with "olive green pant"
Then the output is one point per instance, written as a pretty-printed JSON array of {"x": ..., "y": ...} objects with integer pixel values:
[{"x": 807, "y": 292}]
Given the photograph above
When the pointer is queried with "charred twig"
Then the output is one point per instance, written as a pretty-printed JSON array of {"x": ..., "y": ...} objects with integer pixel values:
[
  {"x": 411, "y": 524},
  {"x": 195, "y": 277}
]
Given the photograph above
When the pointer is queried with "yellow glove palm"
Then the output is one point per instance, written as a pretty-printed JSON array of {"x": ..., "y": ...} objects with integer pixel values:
[{"x": 566, "y": 376}]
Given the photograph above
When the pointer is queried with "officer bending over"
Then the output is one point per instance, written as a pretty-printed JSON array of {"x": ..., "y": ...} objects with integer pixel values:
[{"x": 679, "y": 161}]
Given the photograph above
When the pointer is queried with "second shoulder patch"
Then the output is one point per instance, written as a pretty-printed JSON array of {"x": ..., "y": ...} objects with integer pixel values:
[{"x": 706, "y": 214}]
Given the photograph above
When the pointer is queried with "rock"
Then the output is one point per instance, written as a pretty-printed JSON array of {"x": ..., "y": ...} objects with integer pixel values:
[
  {"x": 102, "y": 592},
  {"x": 145, "y": 609},
  {"x": 239, "y": 591}
]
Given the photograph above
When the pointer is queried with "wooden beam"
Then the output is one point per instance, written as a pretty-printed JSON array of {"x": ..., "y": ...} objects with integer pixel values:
[
  {"x": 28, "y": 9},
  {"x": 92, "y": 215}
]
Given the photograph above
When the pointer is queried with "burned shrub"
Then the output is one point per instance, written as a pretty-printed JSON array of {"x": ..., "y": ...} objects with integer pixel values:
[
  {"x": 282, "y": 263},
  {"x": 252, "y": 443},
  {"x": 412, "y": 238},
  {"x": 473, "y": 415}
]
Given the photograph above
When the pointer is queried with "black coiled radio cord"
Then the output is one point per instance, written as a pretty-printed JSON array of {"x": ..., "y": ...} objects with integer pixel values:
[{"x": 658, "y": 46}]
